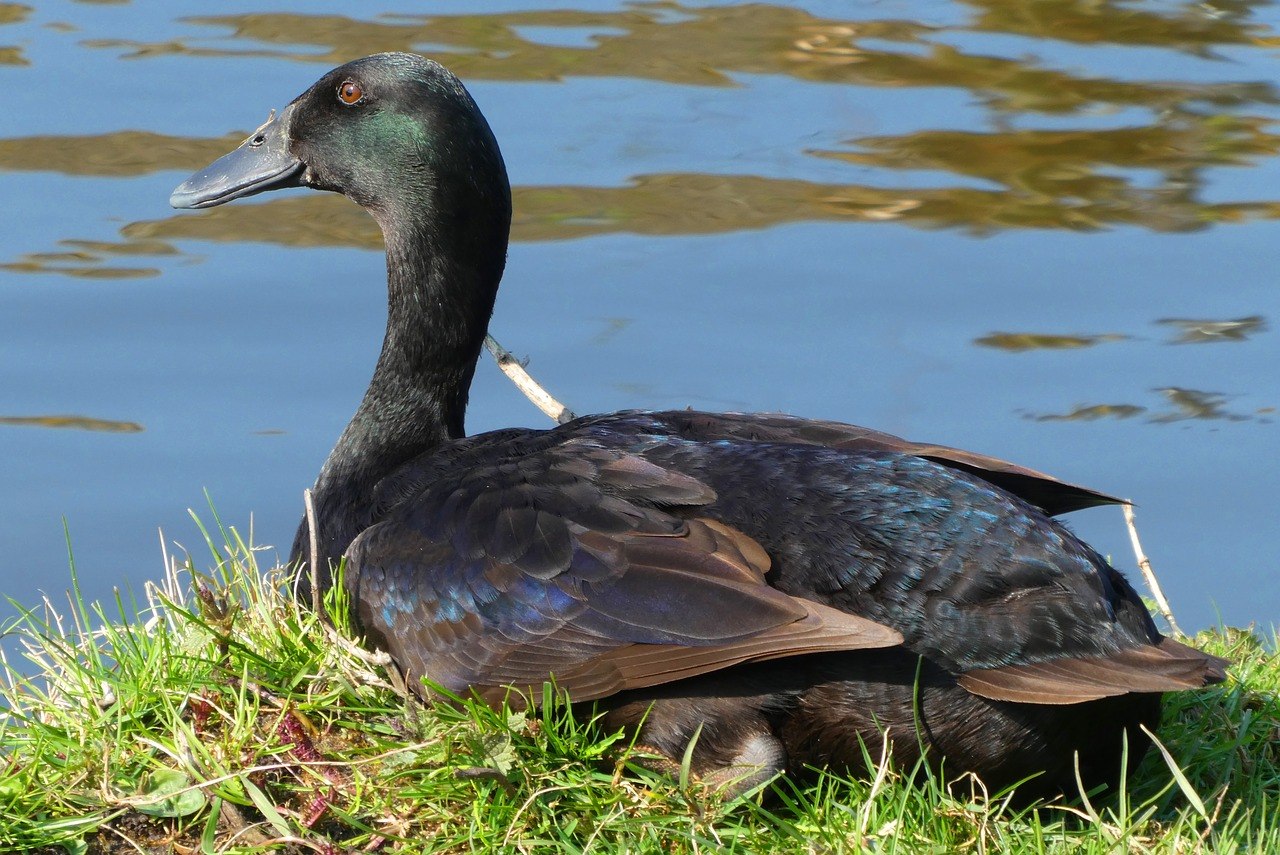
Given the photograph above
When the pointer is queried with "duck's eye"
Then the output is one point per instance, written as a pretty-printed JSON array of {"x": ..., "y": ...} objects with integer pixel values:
[{"x": 350, "y": 92}]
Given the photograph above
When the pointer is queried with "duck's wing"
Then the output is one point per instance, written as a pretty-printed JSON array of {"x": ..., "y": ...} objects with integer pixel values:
[
  {"x": 578, "y": 562},
  {"x": 1000, "y": 596},
  {"x": 1044, "y": 491}
]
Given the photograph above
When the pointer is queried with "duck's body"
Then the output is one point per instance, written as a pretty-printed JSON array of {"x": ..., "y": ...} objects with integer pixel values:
[{"x": 789, "y": 587}]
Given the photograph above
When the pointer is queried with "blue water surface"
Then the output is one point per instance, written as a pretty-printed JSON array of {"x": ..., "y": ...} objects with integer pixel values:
[{"x": 822, "y": 208}]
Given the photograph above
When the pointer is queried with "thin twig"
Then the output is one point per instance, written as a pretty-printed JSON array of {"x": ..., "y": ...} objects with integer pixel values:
[
  {"x": 532, "y": 390},
  {"x": 1144, "y": 564},
  {"x": 309, "y": 501},
  {"x": 374, "y": 658},
  {"x": 126, "y": 838},
  {"x": 234, "y": 820}
]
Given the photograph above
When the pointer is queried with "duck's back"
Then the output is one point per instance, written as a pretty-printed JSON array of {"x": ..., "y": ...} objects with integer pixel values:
[
  {"x": 508, "y": 529},
  {"x": 973, "y": 576}
]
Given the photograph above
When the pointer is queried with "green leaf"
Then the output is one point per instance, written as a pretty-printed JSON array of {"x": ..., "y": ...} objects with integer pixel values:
[
  {"x": 264, "y": 806},
  {"x": 12, "y": 787},
  {"x": 209, "y": 839},
  {"x": 686, "y": 762},
  {"x": 169, "y": 793},
  {"x": 500, "y": 752},
  {"x": 1183, "y": 784},
  {"x": 75, "y": 846}
]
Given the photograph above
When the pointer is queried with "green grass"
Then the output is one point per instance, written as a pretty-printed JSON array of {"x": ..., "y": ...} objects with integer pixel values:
[{"x": 218, "y": 716}]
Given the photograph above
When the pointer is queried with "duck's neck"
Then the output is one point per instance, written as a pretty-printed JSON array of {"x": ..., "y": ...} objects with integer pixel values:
[
  {"x": 437, "y": 314},
  {"x": 442, "y": 277}
]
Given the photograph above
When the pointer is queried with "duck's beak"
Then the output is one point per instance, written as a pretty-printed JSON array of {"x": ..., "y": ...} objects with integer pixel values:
[{"x": 262, "y": 162}]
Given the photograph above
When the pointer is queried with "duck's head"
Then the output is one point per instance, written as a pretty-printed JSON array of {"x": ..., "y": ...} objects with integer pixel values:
[{"x": 395, "y": 132}]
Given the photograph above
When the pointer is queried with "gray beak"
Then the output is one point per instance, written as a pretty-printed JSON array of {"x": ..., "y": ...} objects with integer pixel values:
[{"x": 261, "y": 163}]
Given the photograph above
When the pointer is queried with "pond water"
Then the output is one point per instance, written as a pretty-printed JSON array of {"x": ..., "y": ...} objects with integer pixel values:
[{"x": 1040, "y": 229}]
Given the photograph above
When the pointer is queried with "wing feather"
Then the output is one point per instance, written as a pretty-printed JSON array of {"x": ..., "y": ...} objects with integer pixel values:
[
  {"x": 636, "y": 666},
  {"x": 579, "y": 562}
]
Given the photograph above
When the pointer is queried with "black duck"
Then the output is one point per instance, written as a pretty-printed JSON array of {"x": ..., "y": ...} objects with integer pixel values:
[{"x": 796, "y": 588}]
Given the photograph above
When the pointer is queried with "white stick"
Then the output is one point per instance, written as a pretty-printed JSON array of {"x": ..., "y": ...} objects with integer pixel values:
[
  {"x": 314, "y": 543},
  {"x": 531, "y": 388},
  {"x": 1144, "y": 564},
  {"x": 375, "y": 658}
]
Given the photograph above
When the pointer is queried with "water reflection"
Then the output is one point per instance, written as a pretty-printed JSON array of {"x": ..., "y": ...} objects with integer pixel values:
[
  {"x": 1196, "y": 404},
  {"x": 1150, "y": 173},
  {"x": 1189, "y": 331},
  {"x": 612, "y": 328},
  {"x": 79, "y": 265},
  {"x": 1186, "y": 404},
  {"x": 12, "y": 13},
  {"x": 1198, "y": 331},
  {"x": 1019, "y": 342},
  {"x": 689, "y": 204},
  {"x": 302, "y": 221},
  {"x": 1093, "y": 412},
  {"x": 115, "y": 154},
  {"x": 1192, "y": 27},
  {"x": 661, "y": 204},
  {"x": 91, "y": 259},
  {"x": 705, "y": 46},
  {"x": 1069, "y": 179},
  {"x": 1062, "y": 180},
  {"x": 73, "y": 422}
]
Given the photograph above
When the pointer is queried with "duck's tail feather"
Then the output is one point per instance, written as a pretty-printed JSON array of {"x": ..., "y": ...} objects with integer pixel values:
[{"x": 1169, "y": 666}]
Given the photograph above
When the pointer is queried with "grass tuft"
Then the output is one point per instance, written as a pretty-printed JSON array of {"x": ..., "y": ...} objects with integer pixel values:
[{"x": 220, "y": 717}]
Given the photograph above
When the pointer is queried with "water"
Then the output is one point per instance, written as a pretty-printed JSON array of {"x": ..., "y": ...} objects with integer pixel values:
[{"x": 1040, "y": 230}]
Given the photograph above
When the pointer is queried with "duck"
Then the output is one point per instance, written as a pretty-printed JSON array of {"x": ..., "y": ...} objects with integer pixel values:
[{"x": 772, "y": 593}]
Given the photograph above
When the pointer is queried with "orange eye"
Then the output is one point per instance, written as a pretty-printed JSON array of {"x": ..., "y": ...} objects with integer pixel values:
[{"x": 350, "y": 92}]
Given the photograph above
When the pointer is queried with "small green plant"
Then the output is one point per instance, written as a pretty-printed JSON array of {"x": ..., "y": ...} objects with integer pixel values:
[{"x": 219, "y": 716}]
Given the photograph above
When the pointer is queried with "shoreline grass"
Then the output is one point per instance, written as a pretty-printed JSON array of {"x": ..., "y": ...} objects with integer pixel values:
[{"x": 220, "y": 717}]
